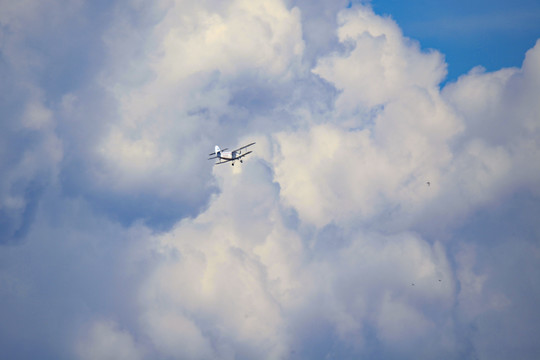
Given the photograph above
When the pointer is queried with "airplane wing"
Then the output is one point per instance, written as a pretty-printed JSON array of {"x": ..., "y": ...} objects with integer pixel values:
[
  {"x": 214, "y": 153},
  {"x": 223, "y": 161},
  {"x": 241, "y": 156},
  {"x": 245, "y": 146}
]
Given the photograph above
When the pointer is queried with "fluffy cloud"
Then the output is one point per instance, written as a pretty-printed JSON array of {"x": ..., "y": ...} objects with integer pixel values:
[
  {"x": 105, "y": 341},
  {"x": 221, "y": 288},
  {"x": 502, "y": 117},
  {"x": 177, "y": 76},
  {"x": 390, "y": 123},
  {"x": 244, "y": 275},
  {"x": 30, "y": 154},
  {"x": 380, "y": 63},
  {"x": 326, "y": 243}
]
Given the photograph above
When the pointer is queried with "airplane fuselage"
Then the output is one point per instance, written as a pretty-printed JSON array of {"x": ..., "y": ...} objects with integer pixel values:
[{"x": 228, "y": 155}]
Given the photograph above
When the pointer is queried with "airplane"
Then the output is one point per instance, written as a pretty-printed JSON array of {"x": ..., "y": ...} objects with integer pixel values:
[{"x": 232, "y": 156}]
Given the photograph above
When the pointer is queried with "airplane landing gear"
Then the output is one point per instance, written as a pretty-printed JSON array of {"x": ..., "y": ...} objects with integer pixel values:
[{"x": 241, "y": 161}]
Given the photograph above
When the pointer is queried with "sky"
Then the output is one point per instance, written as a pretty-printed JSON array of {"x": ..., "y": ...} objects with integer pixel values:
[
  {"x": 491, "y": 34},
  {"x": 389, "y": 209}
]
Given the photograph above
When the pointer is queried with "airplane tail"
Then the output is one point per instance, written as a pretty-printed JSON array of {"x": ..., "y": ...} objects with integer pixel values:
[{"x": 217, "y": 151}]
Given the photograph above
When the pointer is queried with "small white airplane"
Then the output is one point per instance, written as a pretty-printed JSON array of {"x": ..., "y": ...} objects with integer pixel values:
[{"x": 232, "y": 156}]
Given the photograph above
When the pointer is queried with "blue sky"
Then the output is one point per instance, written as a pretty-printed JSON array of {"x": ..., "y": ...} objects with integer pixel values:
[
  {"x": 388, "y": 210},
  {"x": 492, "y": 34}
]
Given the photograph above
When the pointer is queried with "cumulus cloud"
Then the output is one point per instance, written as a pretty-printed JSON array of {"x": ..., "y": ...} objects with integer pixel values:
[
  {"x": 390, "y": 122},
  {"x": 119, "y": 240},
  {"x": 105, "y": 341},
  {"x": 384, "y": 62},
  {"x": 177, "y": 78},
  {"x": 30, "y": 155}
]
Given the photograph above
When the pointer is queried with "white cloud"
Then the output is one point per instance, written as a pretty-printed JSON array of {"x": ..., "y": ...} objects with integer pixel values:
[
  {"x": 400, "y": 324},
  {"x": 174, "y": 83},
  {"x": 26, "y": 172},
  {"x": 496, "y": 155},
  {"x": 327, "y": 241},
  {"x": 245, "y": 277},
  {"x": 213, "y": 273},
  {"x": 106, "y": 341},
  {"x": 380, "y": 160},
  {"x": 235, "y": 38},
  {"x": 380, "y": 64}
]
